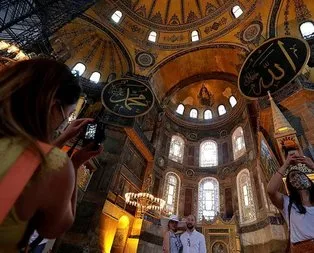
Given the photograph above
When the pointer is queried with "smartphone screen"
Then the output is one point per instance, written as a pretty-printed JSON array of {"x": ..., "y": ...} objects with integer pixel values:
[
  {"x": 292, "y": 152},
  {"x": 90, "y": 133}
]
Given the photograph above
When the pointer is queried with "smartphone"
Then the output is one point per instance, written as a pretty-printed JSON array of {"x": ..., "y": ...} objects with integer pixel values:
[
  {"x": 292, "y": 152},
  {"x": 94, "y": 133},
  {"x": 90, "y": 133}
]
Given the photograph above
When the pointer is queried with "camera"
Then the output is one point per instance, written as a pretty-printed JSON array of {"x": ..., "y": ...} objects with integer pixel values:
[{"x": 94, "y": 133}]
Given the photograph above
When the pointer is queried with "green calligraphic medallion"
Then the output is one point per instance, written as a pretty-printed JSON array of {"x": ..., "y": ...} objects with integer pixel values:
[
  {"x": 127, "y": 98},
  {"x": 271, "y": 66}
]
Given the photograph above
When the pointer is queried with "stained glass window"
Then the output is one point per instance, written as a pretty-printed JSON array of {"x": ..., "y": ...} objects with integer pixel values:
[
  {"x": 237, "y": 11},
  {"x": 193, "y": 113},
  {"x": 208, "y": 198},
  {"x": 180, "y": 109},
  {"x": 176, "y": 151},
  {"x": 208, "y": 154},
  {"x": 238, "y": 143},
  {"x": 171, "y": 192},
  {"x": 208, "y": 114},
  {"x": 232, "y": 101},
  {"x": 195, "y": 36},
  {"x": 221, "y": 110},
  {"x": 245, "y": 197}
]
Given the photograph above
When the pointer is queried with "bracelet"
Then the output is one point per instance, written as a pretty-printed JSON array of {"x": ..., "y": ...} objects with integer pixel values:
[{"x": 280, "y": 173}]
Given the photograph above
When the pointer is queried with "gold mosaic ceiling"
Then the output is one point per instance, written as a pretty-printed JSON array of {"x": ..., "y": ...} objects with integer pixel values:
[
  {"x": 174, "y": 62},
  {"x": 174, "y": 14}
]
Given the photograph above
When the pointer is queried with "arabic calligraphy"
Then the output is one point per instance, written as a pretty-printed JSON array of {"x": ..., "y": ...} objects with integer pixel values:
[
  {"x": 273, "y": 65},
  {"x": 127, "y": 98}
]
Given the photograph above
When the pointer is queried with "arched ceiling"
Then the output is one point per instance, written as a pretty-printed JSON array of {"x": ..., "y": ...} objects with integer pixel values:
[
  {"x": 175, "y": 15},
  {"x": 81, "y": 41},
  {"x": 174, "y": 62},
  {"x": 214, "y": 61}
]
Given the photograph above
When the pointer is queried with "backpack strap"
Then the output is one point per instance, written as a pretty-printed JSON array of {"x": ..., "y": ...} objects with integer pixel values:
[{"x": 14, "y": 181}]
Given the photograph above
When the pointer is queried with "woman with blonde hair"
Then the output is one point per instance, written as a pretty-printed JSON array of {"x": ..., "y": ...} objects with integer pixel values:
[{"x": 36, "y": 96}]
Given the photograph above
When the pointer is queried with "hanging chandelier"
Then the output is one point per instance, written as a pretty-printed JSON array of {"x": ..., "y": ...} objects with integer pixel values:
[
  {"x": 144, "y": 201},
  {"x": 10, "y": 53}
]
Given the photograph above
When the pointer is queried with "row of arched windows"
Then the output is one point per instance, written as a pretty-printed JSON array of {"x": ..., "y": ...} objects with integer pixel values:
[
  {"x": 306, "y": 28},
  {"x": 152, "y": 37},
  {"x": 208, "y": 196},
  {"x": 207, "y": 113},
  {"x": 80, "y": 68},
  {"x": 208, "y": 149}
]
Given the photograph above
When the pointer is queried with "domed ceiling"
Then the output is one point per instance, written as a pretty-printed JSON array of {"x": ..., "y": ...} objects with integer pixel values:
[
  {"x": 81, "y": 41},
  {"x": 218, "y": 93},
  {"x": 175, "y": 15}
]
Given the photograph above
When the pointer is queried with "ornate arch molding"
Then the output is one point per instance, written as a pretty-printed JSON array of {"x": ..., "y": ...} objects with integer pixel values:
[
  {"x": 218, "y": 45},
  {"x": 273, "y": 17}
]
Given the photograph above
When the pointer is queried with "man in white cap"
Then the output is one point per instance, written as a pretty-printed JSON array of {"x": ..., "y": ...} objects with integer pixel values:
[
  {"x": 171, "y": 242},
  {"x": 192, "y": 241}
]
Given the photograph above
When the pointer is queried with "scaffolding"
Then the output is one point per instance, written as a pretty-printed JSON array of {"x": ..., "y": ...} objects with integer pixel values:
[{"x": 30, "y": 23}]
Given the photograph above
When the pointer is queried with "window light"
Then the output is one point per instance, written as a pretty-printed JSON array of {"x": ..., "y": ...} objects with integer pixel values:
[
  {"x": 193, "y": 113},
  {"x": 152, "y": 36},
  {"x": 180, "y": 109},
  {"x": 237, "y": 11},
  {"x": 195, "y": 36},
  {"x": 221, "y": 110},
  {"x": 95, "y": 77},
  {"x": 79, "y": 69},
  {"x": 116, "y": 16},
  {"x": 232, "y": 101},
  {"x": 208, "y": 114},
  {"x": 307, "y": 29}
]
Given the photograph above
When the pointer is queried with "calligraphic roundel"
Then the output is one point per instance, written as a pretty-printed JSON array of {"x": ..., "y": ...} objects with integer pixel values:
[
  {"x": 127, "y": 98},
  {"x": 271, "y": 66}
]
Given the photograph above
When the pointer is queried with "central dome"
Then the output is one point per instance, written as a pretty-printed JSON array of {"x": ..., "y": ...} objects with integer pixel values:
[{"x": 174, "y": 15}]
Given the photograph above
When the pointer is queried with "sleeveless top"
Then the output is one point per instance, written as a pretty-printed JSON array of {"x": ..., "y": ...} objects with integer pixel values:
[{"x": 12, "y": 228}]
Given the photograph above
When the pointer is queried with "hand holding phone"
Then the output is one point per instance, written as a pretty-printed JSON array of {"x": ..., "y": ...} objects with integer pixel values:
[{"x": 94, "y": 133}]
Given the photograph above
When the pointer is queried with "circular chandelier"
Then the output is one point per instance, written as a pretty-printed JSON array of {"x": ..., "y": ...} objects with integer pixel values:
[{"x": 144, "y": 201}]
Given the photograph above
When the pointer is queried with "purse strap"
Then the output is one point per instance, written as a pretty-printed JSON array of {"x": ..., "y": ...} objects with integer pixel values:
[{"x": 14, "y": 181}]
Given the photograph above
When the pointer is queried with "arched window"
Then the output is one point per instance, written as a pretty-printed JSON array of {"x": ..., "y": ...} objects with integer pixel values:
[
  {"x": 116, "y": 16},
  {"x": 171, "y": 192},
  {"x": 221, "y": 110},
  {"x": 193, "y": 113},
  {"x": 238, "y": 143},
  {"x": 307, "y": 29},
  {"x": 195, "y": 36},
  {"x": 237, "y": 11},
  {"x": 180, "y": 109},
  {"x": 79, "y": 69},
  {"x": 176, "y": 151},
  {"x": 95, "y": 77},
  {"x": 208, "y": 114},
  {"x": 232, "y": 101},
  {"x": 208, "y": 154},
  {"x": 208, "y": 198},
  {"x": 152, "y": 36},
  {"x": 245, "y": 197}
]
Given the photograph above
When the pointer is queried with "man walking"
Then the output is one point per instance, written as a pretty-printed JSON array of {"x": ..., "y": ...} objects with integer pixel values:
[{"x": 192, "y": 241}]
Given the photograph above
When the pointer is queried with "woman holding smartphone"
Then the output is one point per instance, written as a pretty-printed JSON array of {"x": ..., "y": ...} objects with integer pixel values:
[{"x": 298, "y": 207}]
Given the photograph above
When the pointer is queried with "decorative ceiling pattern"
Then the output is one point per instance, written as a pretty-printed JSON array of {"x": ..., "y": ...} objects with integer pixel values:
[
  {"x": 173, "y": 20},
  {"x": 175, "y": 14},
  {"x": 81, "y": 41}
]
